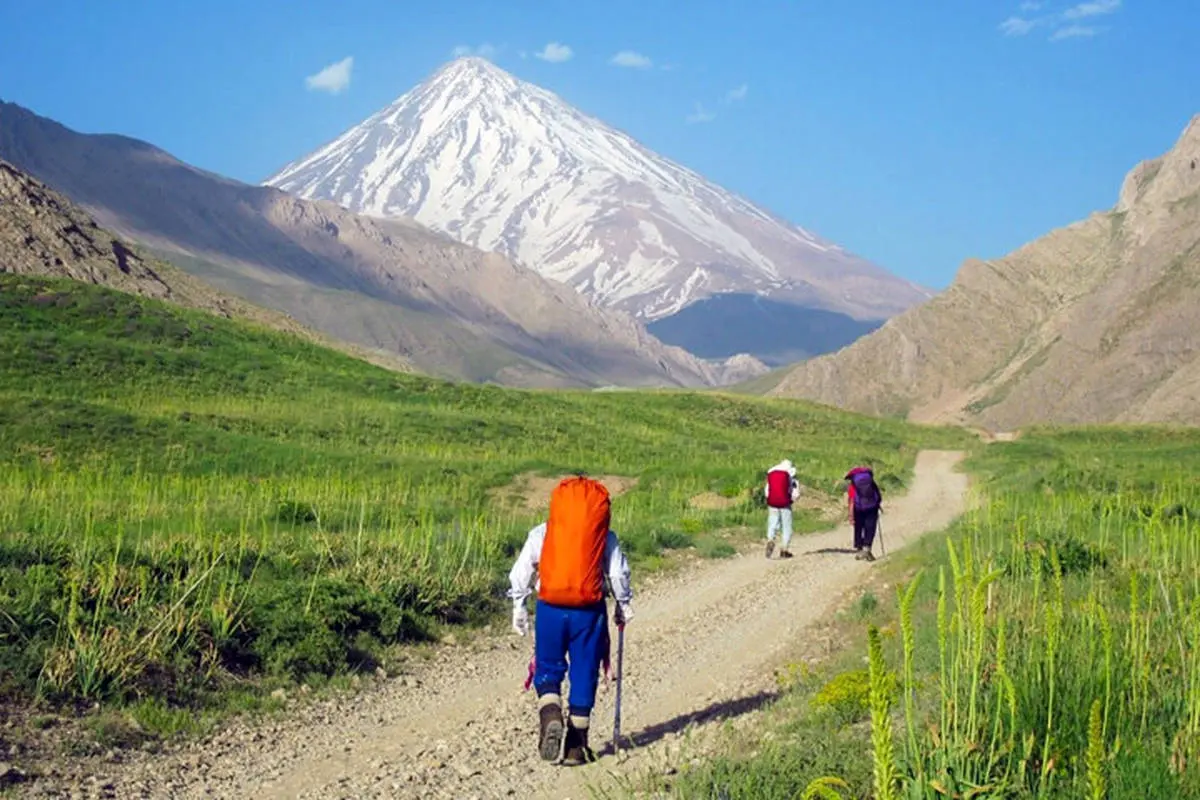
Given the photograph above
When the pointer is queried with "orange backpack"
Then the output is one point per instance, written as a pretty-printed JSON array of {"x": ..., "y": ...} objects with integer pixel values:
[{"x": 571, "y": 572}]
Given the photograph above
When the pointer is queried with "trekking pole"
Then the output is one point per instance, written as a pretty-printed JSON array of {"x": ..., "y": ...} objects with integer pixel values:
[
  {"x": 879, "y": 524},
  {"x": 620, "y": 675},
  {"x": 532, "y": 669}
]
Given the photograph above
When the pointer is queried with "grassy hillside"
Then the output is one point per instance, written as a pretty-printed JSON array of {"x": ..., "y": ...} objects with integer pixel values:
[
  {"x": 44, "y": 233},
  {"x": 1053, "y": 643},
  {"x": 188, "y": 501}
]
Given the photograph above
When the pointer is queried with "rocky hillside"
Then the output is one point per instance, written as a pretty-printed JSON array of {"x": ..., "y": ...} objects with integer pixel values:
[
  {"x": 1095, "y": 322},
  {"x": 44, "y": 233},
  {"x": 392, "y": 285}
]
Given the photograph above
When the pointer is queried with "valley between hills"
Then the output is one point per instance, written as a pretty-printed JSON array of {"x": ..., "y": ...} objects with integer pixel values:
[{"x": 267, "y": 453}]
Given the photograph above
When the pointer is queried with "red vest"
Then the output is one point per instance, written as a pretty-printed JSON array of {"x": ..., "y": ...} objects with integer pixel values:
[{"x": 779, "y": 489}]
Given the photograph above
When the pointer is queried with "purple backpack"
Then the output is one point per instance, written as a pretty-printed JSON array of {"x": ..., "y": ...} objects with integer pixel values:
[{"x": 866, "y": 493}]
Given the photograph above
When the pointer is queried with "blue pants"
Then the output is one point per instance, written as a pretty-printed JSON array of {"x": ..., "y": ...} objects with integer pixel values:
[{"x": 574, "y": 639}]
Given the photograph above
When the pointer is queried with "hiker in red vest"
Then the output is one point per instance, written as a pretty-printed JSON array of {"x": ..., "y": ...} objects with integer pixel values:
[
  {"x": 569, "y": 557},
  {"x": 865, "y": 500},
  {"x": 781, "y": 491}
]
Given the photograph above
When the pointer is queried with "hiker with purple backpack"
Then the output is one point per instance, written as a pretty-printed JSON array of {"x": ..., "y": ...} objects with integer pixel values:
[{"x": 866, "y": 501}]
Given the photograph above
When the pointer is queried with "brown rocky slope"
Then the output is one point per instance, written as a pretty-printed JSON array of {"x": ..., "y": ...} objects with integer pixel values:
[
  {"x": 44, "y": 233},
  {"x": 448, "y": 308},
  {"x": 1095, "y": 322}
]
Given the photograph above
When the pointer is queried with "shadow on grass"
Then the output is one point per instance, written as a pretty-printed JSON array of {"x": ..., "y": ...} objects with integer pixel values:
[{"x": 716, "y": 712}]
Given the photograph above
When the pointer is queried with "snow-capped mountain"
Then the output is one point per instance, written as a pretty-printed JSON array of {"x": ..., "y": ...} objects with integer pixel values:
[
  {"x": 393, "y": 286},
  {"x": 507, "y": 166}
]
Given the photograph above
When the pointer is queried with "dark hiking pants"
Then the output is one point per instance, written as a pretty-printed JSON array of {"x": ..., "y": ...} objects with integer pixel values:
[{"x": 865, "y": 523}]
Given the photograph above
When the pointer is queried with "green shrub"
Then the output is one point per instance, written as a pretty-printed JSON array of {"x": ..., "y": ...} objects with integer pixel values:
[
  {"x": 847, "y": 696},
  {"x": 673, "y": 540},
  {"x": 712, "y": 547},
  {"x": 294, "y": 512},
  {"x": 866, "y": 605}
]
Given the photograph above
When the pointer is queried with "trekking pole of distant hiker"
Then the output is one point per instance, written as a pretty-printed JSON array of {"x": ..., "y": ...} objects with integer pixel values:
[
  {"x": 879, "y": 531},
  {"x": 620, "y": 675}
]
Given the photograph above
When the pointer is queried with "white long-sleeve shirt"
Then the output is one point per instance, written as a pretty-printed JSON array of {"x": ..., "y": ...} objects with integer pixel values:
[{"x": 524, "y": 572}]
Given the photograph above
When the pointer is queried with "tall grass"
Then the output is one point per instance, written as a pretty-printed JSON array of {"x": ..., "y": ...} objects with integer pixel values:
[
  {"x": 1057, "y": 655},
  {"x": 188, "y": 502},
  {"x": 1088, "y": 540}
]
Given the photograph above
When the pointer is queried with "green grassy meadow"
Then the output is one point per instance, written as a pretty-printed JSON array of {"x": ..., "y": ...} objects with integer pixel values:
[
  {"x": 193, "y": 508},
  {"x": 1047, "y": 647}
]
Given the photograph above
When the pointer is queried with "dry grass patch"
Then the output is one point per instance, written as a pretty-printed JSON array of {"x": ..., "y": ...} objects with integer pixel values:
[
  {"x": 711, "y": 501},
  {"x": 531, "y": 492},
  {"x": 829, "y": 509},
  {"x": 995, "y": 436}
]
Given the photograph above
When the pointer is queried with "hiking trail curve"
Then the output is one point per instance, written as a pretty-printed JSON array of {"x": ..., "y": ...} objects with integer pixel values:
[{"x": 701, "y": 648}]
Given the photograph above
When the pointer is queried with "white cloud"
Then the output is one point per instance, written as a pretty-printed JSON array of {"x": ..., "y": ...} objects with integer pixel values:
[
  {"x": 1094, "y": 8},
  {"x": 629, "y": 58},
  {"x": 484, "y": 50},
  {"x": 1017, "y": 26},
  {"x": 1068, "y": 24},
  {"x": 333, "y": 79},
  {"x": 1074, "y": 32},
  {"x": 700, "y": 115},
  {"x": 555, "y": 53},
  {"x": 735, "y": 95},
  {"x": 1075, "y": 16}
]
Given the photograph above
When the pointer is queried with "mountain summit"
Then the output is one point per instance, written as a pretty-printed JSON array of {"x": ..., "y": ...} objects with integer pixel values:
[{"x": 509, "y": 167}]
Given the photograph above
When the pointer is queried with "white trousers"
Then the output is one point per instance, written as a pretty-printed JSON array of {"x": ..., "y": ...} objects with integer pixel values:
[{"x": 779, "y": 518}]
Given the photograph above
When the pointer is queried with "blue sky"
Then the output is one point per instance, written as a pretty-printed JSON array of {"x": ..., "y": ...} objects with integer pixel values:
[{"x": 914, "y": 133}]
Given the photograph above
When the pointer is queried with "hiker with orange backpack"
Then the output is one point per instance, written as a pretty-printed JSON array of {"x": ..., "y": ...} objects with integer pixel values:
[
  {"x": 781, "y": 491},
  {"x": 569, "y": 556},
  {"x": 866, "y": 501}
]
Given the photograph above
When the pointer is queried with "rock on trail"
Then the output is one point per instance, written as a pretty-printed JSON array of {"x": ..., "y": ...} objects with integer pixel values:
[{"x": 701, "y": 649}]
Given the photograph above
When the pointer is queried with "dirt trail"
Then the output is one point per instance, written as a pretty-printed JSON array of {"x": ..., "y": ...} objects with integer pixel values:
[{"x": 701, "y": 648}]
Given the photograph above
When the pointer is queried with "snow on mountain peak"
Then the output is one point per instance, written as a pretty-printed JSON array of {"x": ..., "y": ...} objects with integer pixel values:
[{"x": 507, "y": 166}]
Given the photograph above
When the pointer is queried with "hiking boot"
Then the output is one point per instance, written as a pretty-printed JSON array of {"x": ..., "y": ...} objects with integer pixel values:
[
  {"x": 577, "y": 752},
  {"x": 550, "y": 737},
  {"x": 785, "y": 554},
  {"x": 868, "y": 556},
  {"x": 770, "y": 547}
]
